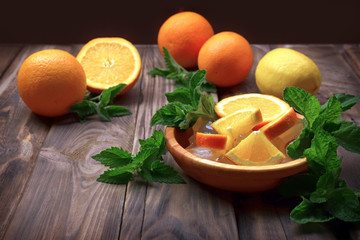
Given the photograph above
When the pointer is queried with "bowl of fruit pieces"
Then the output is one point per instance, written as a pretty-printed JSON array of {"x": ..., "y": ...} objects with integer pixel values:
[{"x": 244, "y": 150}]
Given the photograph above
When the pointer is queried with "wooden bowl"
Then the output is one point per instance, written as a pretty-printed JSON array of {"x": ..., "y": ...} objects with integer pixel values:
[{"x": 224, "y": 176}]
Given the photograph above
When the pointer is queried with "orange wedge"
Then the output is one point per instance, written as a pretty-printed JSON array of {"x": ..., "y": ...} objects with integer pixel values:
[
  {"x": 283, "y": 140},
  {"x": 280, "y": 125},
  {"x": 271, "y": 107},
  {"x": 237, "y": 125},
  {"x": 108, "y": 62},
  {"x": 216, "y": 141},
  {"x": 256, "y": 149}
]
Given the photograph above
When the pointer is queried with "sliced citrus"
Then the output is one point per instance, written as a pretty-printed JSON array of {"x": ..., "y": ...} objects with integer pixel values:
[
  {"x": 108, "y": 62},
  {"x": 255, "y": 149},
  {"x": 283, "y": 140},
  {"x": 238, "y": 124},
  {"x": 216, "y": 141},
  {"x": 271, "y": 107},
  {"x": 280, "y": 124}
]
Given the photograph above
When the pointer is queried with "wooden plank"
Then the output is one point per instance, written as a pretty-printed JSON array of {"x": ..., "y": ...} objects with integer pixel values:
[
  {"x": 191, "y": 211},
  {"x": 21, "y": 134},
  {"x": 63, "y": 200},
  {"x": 351, "y": 54},
  {"x": 7, "y": 54}
]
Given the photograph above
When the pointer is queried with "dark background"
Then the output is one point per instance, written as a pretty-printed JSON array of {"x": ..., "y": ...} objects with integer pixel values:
[{"x": 261, "y": 22}]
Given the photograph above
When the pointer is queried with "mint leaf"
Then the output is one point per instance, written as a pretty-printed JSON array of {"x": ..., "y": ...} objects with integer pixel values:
[
  {"x": 204, "y": 110},
  {"x": 171, "y": 115},
  {"x": 297, "y": 147},
  {"x": 331, "y": 113},
  {"x": 318, "y": 142},
  {"x": 186, "y": 105},
  {"x": 181, "y": 76},
  {"x": 346, "y": 100},
  {"x": 147, "y": 163},
  {"x": 348, "y": 136},
  {"x": 307, "y": 212},
  {"x": 108, "y": 177},
  {"x": 323, "y": 150},
  {"x": 157, "y": 141},
  {"x": 99, "y": 104},
  {"x": 83, "y": 109},
  {"x": 179, "y": 95},
  {"x": 113, "y": 157},
  {"x": 171, "y": 63},
  {"x": 344, "y": 204},
  {"x": 303, "y": 102},
  {"x": 208, "y": 87},
  {"x": 298, "y": 185},
  {"x": 117, "y": 111},
  {"x": 160, "y": 172}
]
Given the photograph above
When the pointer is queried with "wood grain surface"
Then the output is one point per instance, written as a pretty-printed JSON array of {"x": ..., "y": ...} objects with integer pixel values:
[{"x": 48, "y": 187}]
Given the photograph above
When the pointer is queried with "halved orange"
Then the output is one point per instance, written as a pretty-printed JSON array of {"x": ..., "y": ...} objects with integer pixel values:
[
  {"x": 108, "y": 62},
  {"x": 255, "y": 149},
  {"x": 238, "y": 124},
  {"x": 271, "y": 107}
]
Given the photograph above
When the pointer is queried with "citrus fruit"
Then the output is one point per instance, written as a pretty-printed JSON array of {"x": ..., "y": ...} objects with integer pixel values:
[
  {"x": 271, "y": 107},
  {"x": 280, "y": 125},
  {"x": 255, "y": 149},
  {"x": 183, "y": 34},
  {"x": 50, "y": 81},
  {"x": 283, "y": 140},
  {"x": 283, "y": 67},
  {"x": 237, "y": 125},
  {"x": 227, "y": 58},
  {"x": 216, "y": 141},
  {"x": 108, "y": 62}
]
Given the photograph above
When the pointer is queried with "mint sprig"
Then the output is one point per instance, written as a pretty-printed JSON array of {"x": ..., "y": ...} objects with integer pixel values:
[
  {"x": 99, "y": 104},
  {"x": 324, "y": 194},
  {"x": 181, "y": 76},
  {"x": 186, "y": 105},
  {"x": 147, "y": 163}
]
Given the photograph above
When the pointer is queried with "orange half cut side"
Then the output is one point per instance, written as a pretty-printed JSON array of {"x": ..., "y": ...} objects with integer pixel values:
[{"x": 108, "y": 62}]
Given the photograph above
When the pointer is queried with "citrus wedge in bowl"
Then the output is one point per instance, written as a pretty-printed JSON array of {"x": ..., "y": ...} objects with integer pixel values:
[
  {"x": 271, "y": 107},
  {"x": 236, "y": 178},
  {"x": 108, "y": 62}
]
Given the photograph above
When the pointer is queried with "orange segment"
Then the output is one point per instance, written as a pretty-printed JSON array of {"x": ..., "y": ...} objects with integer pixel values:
[
  {"x": 283, "y": 140},
  {"x": 238, "y": 124},
  {"x": 216, "y": 141},
  {"x": 108, "y": 62},
  {"x": 255, "y": 149},
  {"x": 271, "y": 107},
  {"x": 280, "y": 125}
]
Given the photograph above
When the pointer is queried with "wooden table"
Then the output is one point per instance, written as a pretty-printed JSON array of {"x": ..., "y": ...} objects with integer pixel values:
[{"x": 48, "y": 187}]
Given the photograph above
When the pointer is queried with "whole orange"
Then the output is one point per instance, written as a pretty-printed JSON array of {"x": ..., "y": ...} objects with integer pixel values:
[
  {"x": 227, "y": 58},
  {"x": 50, "y": 81},
  {"x": 183, "y": 34}
]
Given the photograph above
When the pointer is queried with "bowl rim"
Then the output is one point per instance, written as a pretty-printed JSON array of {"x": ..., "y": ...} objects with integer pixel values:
[{"x": 175, "y": 148}]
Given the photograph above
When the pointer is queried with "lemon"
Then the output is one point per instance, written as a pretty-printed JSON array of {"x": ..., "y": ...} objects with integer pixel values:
[{"x": 284, "y": 67}]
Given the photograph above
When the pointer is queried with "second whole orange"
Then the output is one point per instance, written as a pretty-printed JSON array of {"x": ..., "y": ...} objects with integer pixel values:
[
  {"x": 183, "y": 34},
  {"x": 227, "y": 58}
]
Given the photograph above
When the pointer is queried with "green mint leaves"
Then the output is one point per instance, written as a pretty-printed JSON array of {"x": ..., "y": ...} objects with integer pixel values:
[
  {"x": 147, "y": 163},
  {"x": 324, "y": 194},
  {"x": 179, "y": 74},
  {"x": 186, "y": 105},
  {"x": 100, "y": 104}
]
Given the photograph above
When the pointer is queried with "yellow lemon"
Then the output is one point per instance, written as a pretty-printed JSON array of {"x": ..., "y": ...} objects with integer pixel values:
[{"x": 284, "y": 67}]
